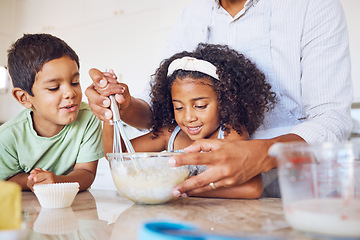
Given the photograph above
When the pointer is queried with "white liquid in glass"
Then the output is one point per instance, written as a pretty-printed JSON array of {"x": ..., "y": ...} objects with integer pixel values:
[{"x": 337, "y": 217}]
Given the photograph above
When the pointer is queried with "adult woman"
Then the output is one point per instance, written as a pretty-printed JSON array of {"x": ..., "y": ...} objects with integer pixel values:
[{"x": 297, "y": 44}]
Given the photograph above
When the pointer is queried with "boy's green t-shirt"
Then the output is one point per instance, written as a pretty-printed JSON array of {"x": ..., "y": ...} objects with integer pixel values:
[{"x": 22, "y": 150}]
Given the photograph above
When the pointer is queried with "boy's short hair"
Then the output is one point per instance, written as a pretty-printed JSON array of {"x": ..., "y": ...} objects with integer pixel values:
[{"x": 28, "y": 54}]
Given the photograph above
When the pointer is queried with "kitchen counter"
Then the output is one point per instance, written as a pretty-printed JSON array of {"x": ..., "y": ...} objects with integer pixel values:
[{"x": 105, "y": 214}]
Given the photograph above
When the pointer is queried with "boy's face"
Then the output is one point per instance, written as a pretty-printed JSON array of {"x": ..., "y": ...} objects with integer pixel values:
[
  {"x": 57, "y": 95},
  {"x": 195, "y": 107}
]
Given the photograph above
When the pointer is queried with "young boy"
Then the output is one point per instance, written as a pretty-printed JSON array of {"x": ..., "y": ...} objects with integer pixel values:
[{"x": 56, "y": 138}]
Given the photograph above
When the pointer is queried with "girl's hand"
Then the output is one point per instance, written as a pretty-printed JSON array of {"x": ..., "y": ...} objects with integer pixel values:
[
  {"x": 106, "y": 84},
  {"x": 124, "y": 98}
]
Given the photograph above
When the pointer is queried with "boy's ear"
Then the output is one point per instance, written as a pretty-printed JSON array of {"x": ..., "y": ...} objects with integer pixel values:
[{"x": 22, "y": 97}]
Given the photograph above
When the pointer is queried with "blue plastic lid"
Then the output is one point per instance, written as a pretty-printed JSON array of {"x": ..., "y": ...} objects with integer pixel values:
[
  {"x": 168, "y": 231},
  {"x": 163, "y": 230}
]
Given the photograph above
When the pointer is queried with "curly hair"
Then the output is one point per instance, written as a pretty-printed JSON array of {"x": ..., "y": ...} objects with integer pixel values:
[{"x": 243, "y": 93}]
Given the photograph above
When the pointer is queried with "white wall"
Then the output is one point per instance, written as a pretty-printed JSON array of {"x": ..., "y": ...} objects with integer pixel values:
[
  {"x": 8, "y": 105},
  {"x": 127, "y": 36},
  {"x": 352, "y": 10}
]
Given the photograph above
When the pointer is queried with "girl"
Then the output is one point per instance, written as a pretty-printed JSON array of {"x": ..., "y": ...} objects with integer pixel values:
[{"x": 212, "y": 92}]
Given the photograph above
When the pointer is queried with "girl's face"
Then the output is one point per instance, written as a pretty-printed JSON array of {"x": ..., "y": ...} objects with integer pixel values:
[
  {"x": 196, "y": 107},
  {"x": 57, "y": 95}
]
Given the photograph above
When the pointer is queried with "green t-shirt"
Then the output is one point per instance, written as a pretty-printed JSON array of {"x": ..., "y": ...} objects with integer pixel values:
[{"x": 22, "y": 150}]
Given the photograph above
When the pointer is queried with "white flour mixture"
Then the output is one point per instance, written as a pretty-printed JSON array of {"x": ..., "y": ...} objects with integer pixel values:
[{"x": 151, "y": 185}]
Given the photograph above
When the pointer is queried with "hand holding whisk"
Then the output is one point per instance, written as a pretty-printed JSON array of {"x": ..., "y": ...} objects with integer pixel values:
[{"x": 119, "y": 131}]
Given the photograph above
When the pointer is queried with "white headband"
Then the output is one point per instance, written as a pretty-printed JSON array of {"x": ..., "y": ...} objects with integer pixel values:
[{"x": 192, "y": 64}]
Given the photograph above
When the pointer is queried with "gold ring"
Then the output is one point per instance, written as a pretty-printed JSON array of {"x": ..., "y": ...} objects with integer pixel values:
[{"x": 212, "y": 186}]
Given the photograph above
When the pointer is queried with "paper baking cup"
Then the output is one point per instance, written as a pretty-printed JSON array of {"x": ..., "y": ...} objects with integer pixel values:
[
  {"x": 56, "y": 221},
  {"x": 56, "y": 195}
]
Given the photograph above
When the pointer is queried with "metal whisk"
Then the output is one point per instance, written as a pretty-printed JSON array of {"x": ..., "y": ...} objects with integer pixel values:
[
  {"x": 119, "y": 133},
  {"x": 119, "y": 130}
]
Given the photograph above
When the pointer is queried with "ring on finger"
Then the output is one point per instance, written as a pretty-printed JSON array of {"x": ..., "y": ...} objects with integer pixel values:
[{"x": 212, "y": 186}]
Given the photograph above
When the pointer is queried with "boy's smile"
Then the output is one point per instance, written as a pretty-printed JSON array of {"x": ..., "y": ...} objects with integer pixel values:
[
  {"x": 195, "y": 107},
  {"x": 57, "y": 96}
]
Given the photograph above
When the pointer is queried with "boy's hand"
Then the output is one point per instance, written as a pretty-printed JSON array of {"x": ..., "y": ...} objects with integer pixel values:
[
  {"x": 39, "y": 176},
  {"x": 35, "y": 171}
]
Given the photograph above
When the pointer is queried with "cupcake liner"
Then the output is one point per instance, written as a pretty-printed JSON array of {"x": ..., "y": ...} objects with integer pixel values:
[
  {"x": 56, "y": 195},
  {"x": 56, "y": 221}
]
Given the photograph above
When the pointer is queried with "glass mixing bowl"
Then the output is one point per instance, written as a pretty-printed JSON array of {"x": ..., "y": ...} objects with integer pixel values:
[
  {"x": 320, "y": 186},
  {"x": 146, "y": 178}
]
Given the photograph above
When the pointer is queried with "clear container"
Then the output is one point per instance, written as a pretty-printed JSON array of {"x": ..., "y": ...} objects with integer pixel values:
[
  {"x": 146, "y": 178},
  {"x": 320, "y": 186}
]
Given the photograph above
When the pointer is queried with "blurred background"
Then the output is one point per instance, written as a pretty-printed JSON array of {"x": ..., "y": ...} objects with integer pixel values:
[{"x": 127, "y": 36}]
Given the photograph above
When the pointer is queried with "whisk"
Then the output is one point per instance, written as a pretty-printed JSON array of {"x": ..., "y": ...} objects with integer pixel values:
[{"x": 119, "y": 132}]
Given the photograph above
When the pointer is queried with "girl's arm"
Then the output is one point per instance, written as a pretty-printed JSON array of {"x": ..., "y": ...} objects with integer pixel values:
[
  {"x": 144, "y": 143},
  {"x": 107, "y": 137},
  {"x": 251, "y": 189},
  {"x": 150, "y": 143}
]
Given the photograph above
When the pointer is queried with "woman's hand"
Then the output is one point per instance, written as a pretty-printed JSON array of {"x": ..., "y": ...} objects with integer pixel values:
[{"x": 229, "y": 162}]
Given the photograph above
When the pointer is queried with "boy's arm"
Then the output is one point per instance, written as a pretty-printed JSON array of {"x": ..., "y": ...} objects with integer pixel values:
[
  {"x": 83, "y": 173},
  {"x": 21, "y": 179}
]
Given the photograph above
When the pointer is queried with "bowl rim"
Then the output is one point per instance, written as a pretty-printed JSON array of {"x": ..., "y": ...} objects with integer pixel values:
[{"x": 142, "y": 154}]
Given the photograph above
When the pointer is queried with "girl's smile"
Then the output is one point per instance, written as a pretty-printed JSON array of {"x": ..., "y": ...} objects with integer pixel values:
[{"x": 194, "y": 130}]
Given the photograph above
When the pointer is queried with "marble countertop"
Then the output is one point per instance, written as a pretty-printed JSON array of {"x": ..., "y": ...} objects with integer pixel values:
[{"x": 105, "y": 214}]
